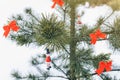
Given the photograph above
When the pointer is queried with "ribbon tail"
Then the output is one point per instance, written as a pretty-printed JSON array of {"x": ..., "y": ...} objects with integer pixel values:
[
  {"x": 6, "y": 33},
  {"x": 93, "y": 38},
  {"x": 53, "y": 5},
  {"x": 101, "y": 68},
  {"x": 93, "y": 41},
  {"x": 98, "y": 71}
]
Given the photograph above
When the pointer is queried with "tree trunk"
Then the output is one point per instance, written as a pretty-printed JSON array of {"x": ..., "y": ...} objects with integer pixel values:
[{"x": 72, "y": 44}]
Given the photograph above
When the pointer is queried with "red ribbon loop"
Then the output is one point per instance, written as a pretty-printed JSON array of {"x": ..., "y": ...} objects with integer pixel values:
[
  {"x": 59, "y": 2},
  {"x": 98, "y": 34}
]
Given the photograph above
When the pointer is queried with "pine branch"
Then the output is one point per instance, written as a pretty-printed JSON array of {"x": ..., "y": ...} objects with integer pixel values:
[
  {"x": 96, "y": 73},
  {"x": 45, "y": 76},
  {"x": 29, "y": 11},
  {"x": 39, "y": 70},
  {"x": 64, "y": 12},
  {"x": 105, "y": 77},
  {"x": 101, "y": 77},
  {"x": 42, "y": 73},
  {"x": 35, "y": 18},
  {"x": 110, "y": 32},
  {"x": 99, "y": 24},
  {"x": 105, "y": 71},
  {"x": 64, "y": 16},
  {"x": 59, "y": 68},
  {"x": 65, "y": 48},
  {"x": 79, "y": 39},
  {"x": 108, "y": 16},
  {"x": 110, "y": 26}
]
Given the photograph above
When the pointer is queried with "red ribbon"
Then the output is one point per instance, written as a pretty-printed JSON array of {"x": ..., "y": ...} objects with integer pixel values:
[
  {"x": 12, "y": 25},
  {"x": 104, "y": 65},
  {"x": 98, "y": 34},
  {"x": 59, "y": 2}
]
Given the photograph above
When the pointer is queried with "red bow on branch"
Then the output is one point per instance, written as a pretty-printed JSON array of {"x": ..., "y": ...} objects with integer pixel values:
[
  {"x": 98, "y": 34},
  {"x": 104, "y": 65},
  {"x": 12, "y": 25},
  {"x": 59, "y": 2}
]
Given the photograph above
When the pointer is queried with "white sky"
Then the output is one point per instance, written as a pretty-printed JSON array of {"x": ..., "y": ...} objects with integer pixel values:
[{"x": 17, "y": 57}]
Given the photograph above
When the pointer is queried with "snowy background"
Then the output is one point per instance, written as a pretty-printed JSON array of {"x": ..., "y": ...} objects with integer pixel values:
[{"x": 18, "y": 57}]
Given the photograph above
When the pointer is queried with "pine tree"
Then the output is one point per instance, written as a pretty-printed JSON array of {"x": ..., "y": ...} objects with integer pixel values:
[{"x": 74, "y": 60}]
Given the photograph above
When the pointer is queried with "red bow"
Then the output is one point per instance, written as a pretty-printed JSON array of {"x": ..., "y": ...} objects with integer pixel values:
[
  {"x": 104, "y": 65},
  {"x": 12, "y": 25},
  {"x": 59, "y": 2},
  {"x": 96, "y": 35}
]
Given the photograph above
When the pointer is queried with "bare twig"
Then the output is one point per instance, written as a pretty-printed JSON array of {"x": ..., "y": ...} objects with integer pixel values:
[
  {"x": 59, "y": 68},
  {"x": 45, "y": 76}
]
